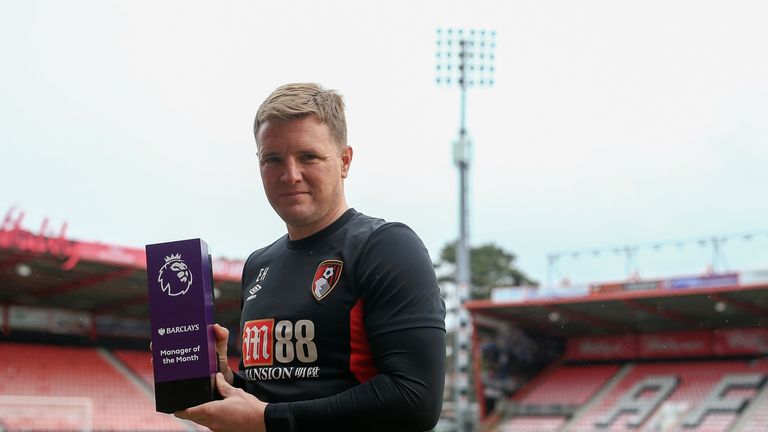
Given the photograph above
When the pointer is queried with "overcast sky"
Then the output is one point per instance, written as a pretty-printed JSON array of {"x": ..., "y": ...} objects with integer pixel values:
[{"x": 610, "y": 122}]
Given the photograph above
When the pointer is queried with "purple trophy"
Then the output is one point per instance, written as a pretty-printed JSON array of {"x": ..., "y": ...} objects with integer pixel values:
[{"x": 180, "y": 282}]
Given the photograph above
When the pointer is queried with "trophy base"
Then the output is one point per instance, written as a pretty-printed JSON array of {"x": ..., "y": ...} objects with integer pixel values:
[{"x": 172, "y": 396}]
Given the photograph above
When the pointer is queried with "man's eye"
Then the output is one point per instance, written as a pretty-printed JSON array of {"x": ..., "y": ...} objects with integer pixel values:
[
  {"x": 308, "y": 157},
  {"x": 270, "y": 160}
]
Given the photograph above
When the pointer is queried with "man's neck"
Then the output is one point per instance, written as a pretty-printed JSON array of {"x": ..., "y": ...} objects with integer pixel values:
[{"x": 302, "y": 232}]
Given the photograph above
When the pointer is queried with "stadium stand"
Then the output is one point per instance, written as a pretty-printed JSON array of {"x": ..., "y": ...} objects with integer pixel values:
[
  {"x": 567, "y": 386},
  {"x": 139, "y": 363},
  {"x": 683, "y": 354},
  {"x": 555, "y": 395},
  {"x": 690, "y": 396},
  {"x": 71, "y": 312},
  {"x": 63, "y": 388},
  {"x": 755, "y": 417},
  {"x": 533, "y": 424},
  {"x": 689, "y": 384}
]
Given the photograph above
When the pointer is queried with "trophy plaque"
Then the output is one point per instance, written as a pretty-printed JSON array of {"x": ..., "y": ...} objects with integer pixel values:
[{"x": 180, "y": 282}]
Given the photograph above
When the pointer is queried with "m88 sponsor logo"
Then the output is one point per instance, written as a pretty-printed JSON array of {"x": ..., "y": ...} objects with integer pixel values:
[{"x": 266, "y": 342}]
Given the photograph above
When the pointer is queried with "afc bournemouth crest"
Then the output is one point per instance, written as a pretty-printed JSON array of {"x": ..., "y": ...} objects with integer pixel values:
[{"x": 326, "y": 277}]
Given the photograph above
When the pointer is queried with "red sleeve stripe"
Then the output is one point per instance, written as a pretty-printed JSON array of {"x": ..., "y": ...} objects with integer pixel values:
[{"x": 360, "y": 358}]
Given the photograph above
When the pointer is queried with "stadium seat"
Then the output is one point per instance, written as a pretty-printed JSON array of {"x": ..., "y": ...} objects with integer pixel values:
[
  {"x": 532, "y": 424},
  {"x": 139, "y": 362},
  {"x": 72, "y": 389},
  {"x": 561, "y": 388},
  {"x": 567, "y": 385},
  {"x": 694, "y": 382}
]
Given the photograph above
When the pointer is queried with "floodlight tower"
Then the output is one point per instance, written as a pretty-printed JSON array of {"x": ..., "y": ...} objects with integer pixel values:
[{"x": 465, "y": 58}]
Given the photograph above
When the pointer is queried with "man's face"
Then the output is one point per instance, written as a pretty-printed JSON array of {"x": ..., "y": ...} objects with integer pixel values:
[{"x": 302, "y": 169}]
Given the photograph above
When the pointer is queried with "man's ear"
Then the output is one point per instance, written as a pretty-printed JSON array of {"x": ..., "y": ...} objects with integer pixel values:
[{"x": 346, "y": 161}]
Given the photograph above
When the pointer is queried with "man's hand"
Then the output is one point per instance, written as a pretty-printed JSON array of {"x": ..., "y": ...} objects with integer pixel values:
[
  {"x": 222, "y": 336},
  {"x": 238, "y": 412}
]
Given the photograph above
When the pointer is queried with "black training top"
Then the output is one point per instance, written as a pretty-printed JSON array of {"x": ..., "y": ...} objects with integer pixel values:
[{"x": 344, "y": 328}]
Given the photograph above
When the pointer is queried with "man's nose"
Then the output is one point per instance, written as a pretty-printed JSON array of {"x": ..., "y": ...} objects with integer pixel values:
[{"x": 292, "y": 172}]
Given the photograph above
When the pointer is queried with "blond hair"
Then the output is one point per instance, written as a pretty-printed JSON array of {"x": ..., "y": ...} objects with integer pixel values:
[{"x": 292, "y": 101}]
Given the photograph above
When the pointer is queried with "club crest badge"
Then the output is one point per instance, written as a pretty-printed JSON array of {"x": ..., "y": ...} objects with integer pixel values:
[
  {"x": 174, "y": 277},
  {"x": 326, "y": 277}
]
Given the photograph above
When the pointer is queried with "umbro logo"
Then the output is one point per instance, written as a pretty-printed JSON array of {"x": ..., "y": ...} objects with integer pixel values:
[
  {"x": 253, "y": 292},
  {"x": 260, "y": 278}
]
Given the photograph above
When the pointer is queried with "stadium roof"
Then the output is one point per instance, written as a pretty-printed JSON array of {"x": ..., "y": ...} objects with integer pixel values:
[
  {"x": 645, "y": 311},
  {"x": 51, "y": 271}
]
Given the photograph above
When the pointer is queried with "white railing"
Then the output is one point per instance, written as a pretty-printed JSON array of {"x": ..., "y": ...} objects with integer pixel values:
[{"x": 47, "y": 411}]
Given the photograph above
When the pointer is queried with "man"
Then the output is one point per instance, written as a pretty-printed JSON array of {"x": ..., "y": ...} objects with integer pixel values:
[{"x": 342, "y": 322}]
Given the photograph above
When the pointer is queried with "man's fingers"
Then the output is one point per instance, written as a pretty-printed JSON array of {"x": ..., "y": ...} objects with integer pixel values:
[
  {"x": 225, "y": 390},
  {"x": 221, "y": 333},
  {"x": 222, "y": 337},
  {"x": 194, "y": 414},
  {"x": 206, "y": 414}
]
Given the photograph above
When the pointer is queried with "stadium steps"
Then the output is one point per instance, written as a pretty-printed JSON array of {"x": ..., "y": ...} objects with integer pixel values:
[
  {"x": 696, "y": 380},
  {"x": 545, "y": 404},
  {"x": 140, "y": 364},
  {"x": 126, "y": 372},
  {"x": 755, "y": 416},
  {"x": 75, "y": 385},
  {"x": 537, "y": 381},
  {"x": 569, "y": 386},
  {"x": 595, "y": 400},
  {"x": 141, "y": 384}
]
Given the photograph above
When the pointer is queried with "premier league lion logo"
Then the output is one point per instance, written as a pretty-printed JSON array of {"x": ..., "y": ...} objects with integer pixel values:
[{"x": 175, "y": 278}]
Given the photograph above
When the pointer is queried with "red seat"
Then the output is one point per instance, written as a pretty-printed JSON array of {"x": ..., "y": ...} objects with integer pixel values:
[
  {"x": 563, "y": 386},
  {"x": 72, "y": 386},
  {"x": 696, "y": 380}
]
